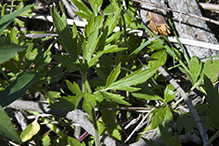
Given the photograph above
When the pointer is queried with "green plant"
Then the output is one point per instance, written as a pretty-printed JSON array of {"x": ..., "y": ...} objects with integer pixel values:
[{"x": 111, "y": 73}]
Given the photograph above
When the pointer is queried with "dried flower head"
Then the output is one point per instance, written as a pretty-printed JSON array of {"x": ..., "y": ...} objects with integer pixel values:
[{"x": 158, "y": 24}]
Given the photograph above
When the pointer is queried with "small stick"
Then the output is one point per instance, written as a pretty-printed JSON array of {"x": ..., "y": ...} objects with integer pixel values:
[{"x": 197, "y": 119}]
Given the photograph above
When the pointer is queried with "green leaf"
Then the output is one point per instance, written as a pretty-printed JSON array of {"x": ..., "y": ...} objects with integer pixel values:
[
  {"x": 111, "y": 126},
  {"x": 95, "y": 5},
  {"x": 150, "y": 142},
  {"x": 134, "y": 78},
  {"x": 69, "y": 103},
  {"x": 194, "y": 68},
  {"x": 115, "y": 97},
  {"x": 186, "y": 123},
  {"x": 74, "y": 142},
  {"x": 88, "y": 28},
  {"x": 74, "y": 88},
  {"x": 8, "y": 49},
  {"x": 166, "y": 137},
  {"x": 143, "y": 45},
  {"x": 88, "y": 100},
  {"x": 91, "y": 44},
  {"x": 64, "y": 33},
  {"x": 169, "y": 93},
  {"x": 18, "y": 88},
  {"x": 158, "y": 58},
  {"x": 51, "y": 95},
  {"x": 46, "y": 140},
  {"x": 31, "y": 130},
  {"x": 67, "y": 62},
  {"x": 63, "y": 103},
  {"x": 160, "y": 115},
  {"x": 101, "y": 127},
  {"x": 31, "y": 54},
  {"x": 86, "y": 12},
  {"x": 116, "y": 133},
  {"x": 113, "y": 75},
  {"x": 5, "y": 20},
  {"x": 177, "y": 141},
  {"x": 147, "y": 96},
  {"x": 213, "y": 101},
  {"x": 111, "y": 22},
  {"x": 113, "y": 48},
  {"x": 109, "y": 10},
  {"x": 211, "y": 70},
  {"x": 7, "y": 128},
  {"x": 114, "y": 36}
]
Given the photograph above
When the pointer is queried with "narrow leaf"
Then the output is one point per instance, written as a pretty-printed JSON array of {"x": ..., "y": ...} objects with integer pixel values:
[
  {"x": 5, "y": 20},
  {"x": 134, "y": 78},
  {"x": 111, "y": 22},
  {"x": 82, "y": 7},
  {"x": 166, "y": 137},
  {"x": 74, "y": 142},
  {"x": 113, "y": 75},
  {"x": 7, "y": 128},
  {"x": 146, "y": 96},
  {"x": 18, "y": 88},
  {"x": 91, "y": 44}
]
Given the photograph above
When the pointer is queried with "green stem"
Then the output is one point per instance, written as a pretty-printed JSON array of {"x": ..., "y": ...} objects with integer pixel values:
[
  {"x": 93, "y": 115},
  {"x": 214, "y": 137}
]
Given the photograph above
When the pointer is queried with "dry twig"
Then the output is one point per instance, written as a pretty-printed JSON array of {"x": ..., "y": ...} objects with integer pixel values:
[{"x": 189, "y": 104}]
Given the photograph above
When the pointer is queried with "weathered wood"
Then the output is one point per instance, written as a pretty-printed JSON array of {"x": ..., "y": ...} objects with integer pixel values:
[{"x": 187, "y": 27}]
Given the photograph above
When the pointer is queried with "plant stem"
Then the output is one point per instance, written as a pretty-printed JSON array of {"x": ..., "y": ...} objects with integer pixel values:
[{"x": 93, "y": 115}]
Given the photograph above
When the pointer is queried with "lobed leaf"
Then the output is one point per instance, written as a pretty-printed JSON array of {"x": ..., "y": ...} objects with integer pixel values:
[
  {"x": 64, "y": 33},
  {"x": 195, "y": 68},
  {"x": 88, "y": 100},
  {"x": 169, "y": 93},
  {"x": 74, "y": 88},
  {"x": 213, "y": 101},
  {"x": 186, "y": 123},
  {"x": 114, "y": 97},
  {"x": 8, "y": 49},
  {"x": 160, "y": 115},
  {"x": 158, "y": 58}
]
